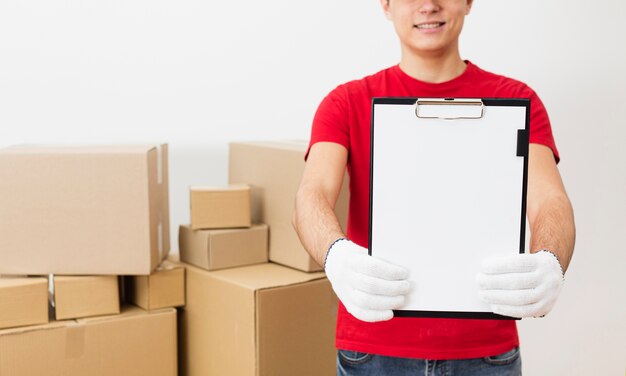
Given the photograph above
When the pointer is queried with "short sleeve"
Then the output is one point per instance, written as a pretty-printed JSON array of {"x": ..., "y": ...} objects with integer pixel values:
[
  {"x": 540, "y": 128},
  {"x": 331, "y": 121}
]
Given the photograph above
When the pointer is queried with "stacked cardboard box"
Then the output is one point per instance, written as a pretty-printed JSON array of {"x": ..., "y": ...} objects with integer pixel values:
[
  {"x": 263, "y": 319},
  {"x": 274, "y": 170},
  {"x": 258, "y": 320},
  {"x": 221, "y": 234},
  {"x": 165, "y": 287},
  {"x": 135, "y": 342},
  {"x": 214, "y": 207},
  {"x": 75, "y": 297},
  {"x": 23, "y": 301},
  {"x": 83, "y": 210},
  {"x": 235, "y": 318},
  {"x": 224, "y": 248},
  {"x": 82, "y": 215}
]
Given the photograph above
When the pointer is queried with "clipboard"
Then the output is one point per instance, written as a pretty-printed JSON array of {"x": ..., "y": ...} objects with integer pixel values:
[{"x": 447, "y": 188}]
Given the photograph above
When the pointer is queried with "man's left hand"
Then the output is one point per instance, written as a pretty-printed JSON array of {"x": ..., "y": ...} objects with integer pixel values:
[{"x": 523, "y": 285}]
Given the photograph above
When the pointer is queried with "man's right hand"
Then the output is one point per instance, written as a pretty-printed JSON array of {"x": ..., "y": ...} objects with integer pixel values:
[{"x": 368, "y": 287}]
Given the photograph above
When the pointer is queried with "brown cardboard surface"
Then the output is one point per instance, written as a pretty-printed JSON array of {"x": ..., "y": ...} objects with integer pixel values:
[
  {"x": 81, "y": 210},
  {"x": 219, "y": 331},
  {"x": 296, "y": 320},
  {"x": 257, "y": 320},
  {"x": 219, "y": 249},
  {"x": 84, "y": 296},
  {"x": 223, "y": 207},
  {"x": 23, "y": 301},
  {"x": 274, "y": 170},
  {"x": 135, "y": 342},
  {"x": 165, "y": 287}
]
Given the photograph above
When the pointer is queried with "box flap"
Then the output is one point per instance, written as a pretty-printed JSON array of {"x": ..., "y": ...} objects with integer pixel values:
[
  {"x": 293, "y": 145},
  {"x": 126, "y": 311},
  {"x": 262, "y": 276},
  {"x": 219, "y": 231},
  {"x": 25, "y": 329},
  {"x": 232, "y": 187},
  {"x": 19, "y": 281},
  {"x": 77, "y": 149}
]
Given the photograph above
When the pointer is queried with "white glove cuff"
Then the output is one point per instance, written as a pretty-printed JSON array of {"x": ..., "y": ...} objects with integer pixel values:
[
  {"x": 330, "y": 248},
  {"x": 557, "y": 260}
]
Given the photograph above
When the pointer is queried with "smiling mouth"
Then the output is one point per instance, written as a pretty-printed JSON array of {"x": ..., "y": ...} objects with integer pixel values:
[{"x": 430, "y": 25}]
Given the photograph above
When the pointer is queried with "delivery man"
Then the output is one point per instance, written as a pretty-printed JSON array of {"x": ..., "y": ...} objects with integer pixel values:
[{"x": 370, "y": 340}]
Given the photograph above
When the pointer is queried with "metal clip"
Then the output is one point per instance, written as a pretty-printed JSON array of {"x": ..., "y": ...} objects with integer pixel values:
[{"x": 476, "y": 109}]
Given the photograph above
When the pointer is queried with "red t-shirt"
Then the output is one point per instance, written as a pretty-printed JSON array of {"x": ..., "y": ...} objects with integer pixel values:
[{"x": 343, "y": 117}]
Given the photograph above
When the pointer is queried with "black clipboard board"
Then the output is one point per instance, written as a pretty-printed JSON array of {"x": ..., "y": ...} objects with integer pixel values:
[{"x": 448, "y": 184}]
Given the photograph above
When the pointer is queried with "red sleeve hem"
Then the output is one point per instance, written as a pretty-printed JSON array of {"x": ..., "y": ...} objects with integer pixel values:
[
  {"x": 327, "y": 138},
  {"x": 548, "y": 143}
]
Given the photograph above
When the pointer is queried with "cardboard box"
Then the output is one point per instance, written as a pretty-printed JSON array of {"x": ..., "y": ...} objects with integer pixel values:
[
  {"x": 165, "y": 287},
  {"x": 227, "y": 207},
  {"x": 274, "y": 170},
  {"x": 83, "y": 210},
  {"x": 219, "y": 249},
  {"x": 23, "y": 301},
  {"x": 135, "y": 342},
  {"x": 85, "y": 296},
  {"x": 258, "y": 320}
]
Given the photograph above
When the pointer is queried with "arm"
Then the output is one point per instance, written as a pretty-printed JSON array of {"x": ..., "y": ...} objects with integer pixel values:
[
  {"x": 369, "y": 288},
  {"x": 528, "y": 285},
  {"x": 549, "y": 210},
  {"x": 313, "y": 217}
]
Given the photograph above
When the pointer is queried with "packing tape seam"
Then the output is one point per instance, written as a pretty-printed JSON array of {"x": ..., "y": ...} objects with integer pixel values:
[
  {"x": 159, "y": 165},
  {"x": 160, "y": 240},
  {"x": 75, "y": 341}
]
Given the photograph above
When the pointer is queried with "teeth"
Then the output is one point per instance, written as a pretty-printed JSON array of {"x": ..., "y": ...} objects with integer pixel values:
[{"x": 429, "y": 26}]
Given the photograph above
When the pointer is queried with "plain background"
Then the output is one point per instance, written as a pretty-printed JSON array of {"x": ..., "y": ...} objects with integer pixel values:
[{"x": 199, "y": 74}]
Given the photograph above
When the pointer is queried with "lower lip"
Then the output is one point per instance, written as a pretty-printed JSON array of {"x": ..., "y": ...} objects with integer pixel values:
[{"x": 430, "y": 30}]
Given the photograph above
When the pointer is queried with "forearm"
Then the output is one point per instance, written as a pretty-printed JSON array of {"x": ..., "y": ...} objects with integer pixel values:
[
  {"x": 315, "y": 222},
  {"x": 553, "y": 229}
]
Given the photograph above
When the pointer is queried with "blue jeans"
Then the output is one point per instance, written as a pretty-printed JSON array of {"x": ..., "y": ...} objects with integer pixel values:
[{"x": 352, "y": 363}]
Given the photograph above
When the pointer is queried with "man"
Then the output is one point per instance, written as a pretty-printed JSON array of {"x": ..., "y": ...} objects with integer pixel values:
[{"x": 370, "y": 340}]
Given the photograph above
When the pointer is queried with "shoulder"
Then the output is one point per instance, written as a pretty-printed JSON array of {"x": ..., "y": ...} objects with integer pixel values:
[
  {"x": 503, "y": 86},
  {"x": 363, "y": 87}
]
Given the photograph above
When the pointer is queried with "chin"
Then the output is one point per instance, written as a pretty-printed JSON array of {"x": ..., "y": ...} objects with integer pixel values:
[{"x": 430, "y": 49}]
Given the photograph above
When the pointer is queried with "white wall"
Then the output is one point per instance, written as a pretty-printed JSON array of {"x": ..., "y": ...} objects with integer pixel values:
[{"x": 199, "y": 74}]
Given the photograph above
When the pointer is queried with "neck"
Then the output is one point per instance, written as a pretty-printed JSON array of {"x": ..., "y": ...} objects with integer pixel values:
[{"x": 433, "y": 67}]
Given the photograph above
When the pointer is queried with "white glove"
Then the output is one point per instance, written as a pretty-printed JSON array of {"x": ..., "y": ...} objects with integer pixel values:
[
  {"x": 368, "y": 287},
  {"x": 523, "y": 285}
]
